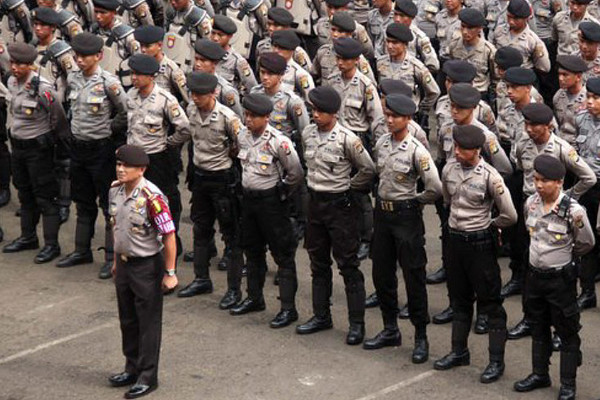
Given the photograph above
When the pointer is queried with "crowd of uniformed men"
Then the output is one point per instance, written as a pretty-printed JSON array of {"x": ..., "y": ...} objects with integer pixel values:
[{"x": 333, "y": 122}]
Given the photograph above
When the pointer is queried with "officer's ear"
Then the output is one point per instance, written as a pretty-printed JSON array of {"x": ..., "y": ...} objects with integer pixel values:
[{"x": 100, "y": 55}]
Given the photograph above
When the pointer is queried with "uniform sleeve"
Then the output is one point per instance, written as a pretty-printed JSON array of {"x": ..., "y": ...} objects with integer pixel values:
[
  {"x": 304, "y": 83},
  {"x": 294, "y": 174},
  {"x": 177, "y": 118},
  {"x": 132, "y": 45},
  {"x": 585, "y": 175},
  {"x": 316, "y": 67},
  {"x": 430, "y": 88},
  {"x": 231, "y": 99},
  {"x": 118, "y": 98},
  {"x": 498, "y": 157},
  {"x": 142, "y": 14},
  {"x": 583, "y": 234},
  {"x": 445, "y": 194},
  {"x": 488, "y": 118},
  {"x": 159, "y": 213},
  {"x": 365, "y": 67},
  {"x": 56, "y": 114},
  {"x": 540, "y": 56},
  {"x": 361, "y": 160},
  {"x": 363, "y": 37},
  {"x": 507, "y": 214},
  {"x": 302, "y": 58},
  {"x": 429, "y": 176},
  {"x": 245, "y": 74},
  {"x": 179, "y": 85},
  {"x": 204, "y": 28},
  {"x": 374, "y": 111},
  {"x": 299, "y": 114},
  {"x": 427, "y": 53}
]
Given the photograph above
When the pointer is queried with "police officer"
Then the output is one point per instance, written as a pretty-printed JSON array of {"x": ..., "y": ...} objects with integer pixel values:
[
  {"x": 144, "y": 12},
  {"x": 233, "y": 67},
  {"x": 378, "y": 19},
  {"x": 4, "y": 152},
  {"x": 589, "y": 39},
  {"x": 98, "y": 119},
  {"x": 68, "y": 23},
  {"x": 295, "y": 78},
  {"x": 19, "y": 17},
  {"x": 144, "y": 266},
  {"x": 570, "y": 99},
  {"x": 560, "y": 232},
  {"x": 565, "y": 26},
  {"x": 151, "y": 111},
  {"x": 38, "y": 124},
  {"x": 471, "y": 188},
  {"x": 331, "y": 152},
  {"x": 213, "y": 130},
  {"x": 399, "y": 230},
  {"x": 447, "y": 26},
  {"x": 270, "y": 171}
]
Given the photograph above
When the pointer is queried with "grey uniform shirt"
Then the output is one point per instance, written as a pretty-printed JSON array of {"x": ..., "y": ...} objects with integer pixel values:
[
  {"x": 415, "y": 74},
  {"x": 544, "y": 11},
  {"x": 298, "y": 80},
  {"x": 481, "y": 56},
  {"x": 421, "y": 47},
  {"x": 376, "y": 27},
  {"x": 300, "y": 55},
  {"x": 400, "y": 165},
  {"x": 172, "y": 78},
  {"x": 93, "y": 101},
  {"x": 236, "y": 70},
  {"x": 325, "y": 65},
  {"x": 35, "y": 113},
  {"x": 555, "y": 239},
  {"x": 425, "y": 18},
  {"x": 447, "y": 28},
  {"x": 57, "y": 67},
  {"x": 593, "y": 67},
  {"x": 126, "y": 45},
  {"x": 323, "y": 32},
  {"x": 229, "y": 96},
  {"x": 211, "y": 136},
  {"x": 566, "y": 107},
  {"x": 472, "y": 193},
  {"x": 149, "y": 119},
  {"x": 330, "y": 158},
  {"x": 289, "y": 115},
  {"x": 526, "y": 151},
  {"x": 588, "y": 140},
  {"x": 565, "y": 30},
  {"x": 483, "y": 113},
  {"x": 268, "y": 159},
  {"x": 508, "y": 115},
  {"x": 534, "y": 51}
]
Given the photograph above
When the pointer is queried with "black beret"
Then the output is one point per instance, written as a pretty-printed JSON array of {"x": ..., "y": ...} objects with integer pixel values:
[
  {"x": 148, "y": 34},
  {"x": 519, "y": 8},
  {"x": 399, "y": 32},
  {"x": 459, "y": 71},
  {"x": 582, "y": 1},
  {"x": 325, "y": 99},
  {"x": 464, "y": 95},
  {"x": 507, "y": 57},
  {"x": 347, "y": 48},
  {"x": 468, "y": 136},
  {"x": 258, "y": 104},
  {"x": 572, "y": 63},
  {"x": 471, "y": 17},
  {"x": 400, "y": 104},
  {"x": 286, "y": 39},
  {"x": 344, "y": 21},
  {"x": 549, "y": 167},
  {"x": 520, "y": 76},
  {"x": 209, "y": 49},
  {"x": 22, "y": 53},
  {"x": 224, "y": 24},
  {"x": 406, "y": 7},
  {"x": 273, "y": 62},
  {"x": 87, "y": 43},
  {"x": 144, "y": 64},
  {"x": 537, "y": 113},
  {"x": 132, "y": 155},
  {"x": 280, "y": 16},
  {"x": 593, "y": 85},
  {"x": 201, "y": 82},
  {"x": 590, "y": 31},
  {"x": 395, "y": 86},
  {"x": 337, "y": 3},
  {"x": 110, "y": 5},
  {"x": 45, "y": 15}
]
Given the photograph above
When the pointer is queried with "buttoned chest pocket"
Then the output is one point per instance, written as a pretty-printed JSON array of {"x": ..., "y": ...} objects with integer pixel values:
[
  {"x": 530, "y": 225},
  {"x": 95, "y": 105},
  {"x": 112, "y": 212},
  {"x": 447, "y": 143},
  {"x": 375, "y": 30},
  {"x": 441, "y": 34},
  {"x": 557, "y": 232},
  {"x": 400, "y": 168},
  {"x": 153, "y": 124},
  {"x": 243, "y": 155},
  {"x": 73, "y": 96},
  {"x": 331, "y": 159},
  {"x": 354, "y": 104},
  {"x": 28, "y": 108},
  {"x": 480, "y": 65},
  {"x": 527, "y": 164},
  {"x": 265, "y": 163},
  {"x": 475, "y": 195}
]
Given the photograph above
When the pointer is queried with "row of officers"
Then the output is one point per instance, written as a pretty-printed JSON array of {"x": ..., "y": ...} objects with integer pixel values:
[{"x": 243, "y": 174}]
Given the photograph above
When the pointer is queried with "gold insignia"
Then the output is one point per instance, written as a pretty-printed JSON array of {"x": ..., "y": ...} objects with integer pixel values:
[
  {"x": 558, "y": 236},
  {"x": 140, "y": 202},
  {"x": 364, "y": 67},
  {"x": 230, "y": 99},
  {"x": 369, "y": 94},
  {"x": 493, "y": 146},
  {"x": 427, "y": 49},
  {"x": 278, "y": 126},
  {"x": 175, "y": 113},
  {"x": 573, "y": 156},
  {"x": 304, "y": 82},
  {"x": 264, "y": 158},
  {"x": 300, "y": 58},
  {"x": 28, "y": 111},
  {"x": 428, "y": 78},
  {"x": 578, "y": 219},
  {"x": 539, "y": 51},
  {"x": 67, "y": 65},
  {"x": 499, "y": 186},
  {"x": 424, "y": 163},
  {"x": 235, "y": 126},
  {"x": 358, "y": 146},
  {"x": 297, "y": 110},
  {"x": 246, "y": 70},
  {"x": 263, "y": 167},
  {"x": 156, "y": 205},
  {"x": 95, "y": 109},
  {"x": 74, "y": 30},
  {"x": 400, "y": 177}
]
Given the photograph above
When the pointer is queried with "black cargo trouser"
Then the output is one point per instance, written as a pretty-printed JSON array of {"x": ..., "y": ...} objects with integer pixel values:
[
  {"x": 163, "y": 173},
  {"x": 589, "y": 263}
]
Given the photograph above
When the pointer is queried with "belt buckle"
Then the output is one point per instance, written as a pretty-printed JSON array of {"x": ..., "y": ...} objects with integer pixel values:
[
  {"x": 387, "y": 205},
  {"x": 124, "y": 258}
]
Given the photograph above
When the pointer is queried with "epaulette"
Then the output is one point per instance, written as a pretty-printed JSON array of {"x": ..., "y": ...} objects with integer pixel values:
[
  {"x": 64, "y": 17},
  {"x": 153, "y": 199},
  {"x": 58, "y": 48},
  {"x": 121, "y": 31},
  {"x": 131, "y": 4},
  {"x": 194, "y": 17}
]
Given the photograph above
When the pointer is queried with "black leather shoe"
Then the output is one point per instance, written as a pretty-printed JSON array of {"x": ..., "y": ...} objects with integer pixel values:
[
  {"x": 385, "y": 338},
  {"x": 63, "y": 214},
  {"x": 198, "y": 286},
  {"x": 48, "y": 253},
  {"x": 403, "y": 312},
  {"x": 363, "y": 250},
  {"x": 444, "y": 317},
  {"x": 556, "y": 342},
  {"x": 105, "y": 271},
  {"x": 139, "y": 390},
  {"x": 372, "y": 301},
  {"x": 188, "y": 256},
  {"x": 532, "y": 382},
  {"x": 512, "y": 287},
  {"x": 356, "y": 334},
  {"x": 481, "y": 325},
  {"x": 315, "y": 324},
  {"x": 75, "y": 258},
  {"x": 248, "y": 305},
  {"x": 122, "y": 379},
  {"x": 284, "y": 318},
  {"x": 230, "y": 299},
  {"x": 566, "y": 392},
  {"x": 492, "y": 372},
  {"x": 438, "y": 276},
  {"x": 522, "y": 329},
  {"x": 586, "y": 300},
  {"x": 21, "y": 243},
  {"x": 4, "y": 197},
  {"x": 453, "y": 360},
  {"x": 420, "y": 353}
]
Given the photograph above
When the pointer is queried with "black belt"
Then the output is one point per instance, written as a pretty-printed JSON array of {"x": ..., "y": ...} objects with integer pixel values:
[
  {"x": 38, "y": 141},
  {"x": 327, "y": 196},
  {"x": 547, "y": 272},
  {"x": 130, "y": 259},
  {"x": 260, "y": 194},
  {"x": 471, "y": 236},
  {"x": 223, "y": 175},
  {"x": 89, "y": 144},
  {"x": 396, "y": 206}
]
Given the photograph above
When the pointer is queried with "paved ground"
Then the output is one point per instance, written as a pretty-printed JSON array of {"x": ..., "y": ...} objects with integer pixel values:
[{"x": 60, "y": 340}]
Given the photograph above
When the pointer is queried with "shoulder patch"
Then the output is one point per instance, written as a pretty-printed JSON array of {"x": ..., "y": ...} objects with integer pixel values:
[
  {"x": 285, "y": 147},
  {"x": 115, "y": 89},
  {"x": 499, "y": 186},
  {"x": 424, "y": 163},
  {"x": 573, "y": 156},
  {"x": 230, "y": 98},
  {"x": 304, "y": 82},
  {"x": 358, "y": 146},
  {"x": 369, "y": 94},
  {"x": 298, "y": 110},
  {"x": 175, "y": 110}
]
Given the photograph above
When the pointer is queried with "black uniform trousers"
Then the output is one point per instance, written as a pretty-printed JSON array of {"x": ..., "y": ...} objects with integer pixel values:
[
  {"x": 140, "y": 301},
  {"x": 332, "y": 227},
  {"x": 92, "y": 172},
  {"x": 474, "y": 273},
  {"x": 589, "y": 263},
  {"x": 214, "y": 197},
  {"x": 34, "y": 178},
  {"x": 266, "y": 222},
  {"x": 399, "y": 238},
  {"x": 4, "y": 152}
]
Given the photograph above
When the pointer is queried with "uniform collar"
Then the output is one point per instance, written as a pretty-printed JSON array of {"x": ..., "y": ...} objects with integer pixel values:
[{"x": 136, "y": 192}]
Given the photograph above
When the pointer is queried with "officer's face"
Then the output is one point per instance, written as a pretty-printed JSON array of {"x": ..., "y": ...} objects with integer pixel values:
[
  {"x": 42, "y": 31},
  {"x": 517, "y": 93},
  {"x": 539, "y": 133},
  {"x": 332, "y": 9},
  {"x": 127, "y": 173},
  {"x": 469, "y": 33},
  {"x": 588, "y": 49},
  {"x": 179, "y": 5},
  {"x": 220, "y": 37},
  {"x": 255, "y": 123},
  {"x": 46, "y": 3},
  {"x": 514, "y": 23},
  {"x": 151, "y": 49},
  {"x": 19, "y": 70},
  {"x": 268, "y": 79},
  {"x": 465, "y": 156},
  {"x": 593, "y": 103},
  {"x": 322, "y": 119},
  {"x": 395, "y": 48},
  {"x": 87, "y": 63},
  {"x": 204, "y": 64},
  {"x": 272, "y": 26},
  {"x": 452, "y": 4},
  {"x": 460, "y": 116},
  {"x": 567, "y": 79},
  {"x": 346, "y": 64},
  {"x": 546, "y": 188},
  {"x": 203, "y": 101},
  {"x": 140, "y": 80},
  {"x": 396, "y": 123},
  {"x": 401, "y": 18},
  {"x": 577, "y": 9},
  {"x": 104, "y": 17},
  {"x": 336, "y": 33},
  {"x": 379, "y": 3}
]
